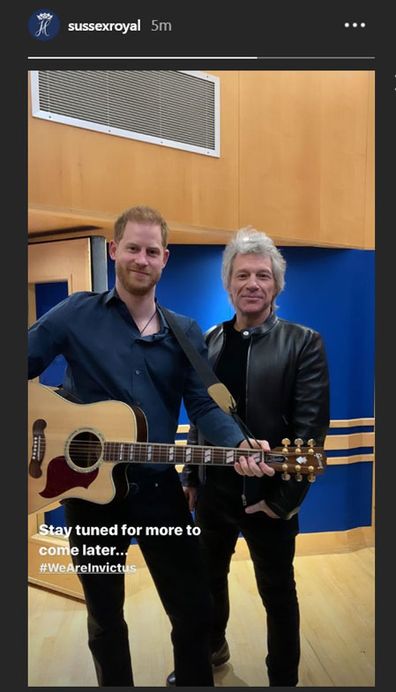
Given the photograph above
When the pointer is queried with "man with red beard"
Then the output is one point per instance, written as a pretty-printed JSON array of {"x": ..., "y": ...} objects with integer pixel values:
[{"x": 118, "y": 346}]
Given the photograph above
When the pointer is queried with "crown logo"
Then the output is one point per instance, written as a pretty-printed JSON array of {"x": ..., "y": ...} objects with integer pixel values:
[{"x": 44, "y": 15}]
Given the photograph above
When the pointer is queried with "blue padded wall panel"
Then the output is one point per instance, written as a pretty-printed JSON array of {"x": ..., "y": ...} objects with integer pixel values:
[
  {"x": 338, "y": 500},
  {"x": 48, "y": 295},
  {"x": 333, "y": 292}
]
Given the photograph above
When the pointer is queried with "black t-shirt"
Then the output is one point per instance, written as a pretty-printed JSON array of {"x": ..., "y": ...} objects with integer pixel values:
[{"x": 231, "y": 366}]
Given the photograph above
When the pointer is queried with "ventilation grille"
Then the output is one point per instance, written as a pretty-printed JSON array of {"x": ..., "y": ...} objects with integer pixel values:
[{"x": 171, "y": 108}]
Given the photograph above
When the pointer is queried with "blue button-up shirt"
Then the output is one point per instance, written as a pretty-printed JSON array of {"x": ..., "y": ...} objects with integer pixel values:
[{"x": 108, "y": 359}]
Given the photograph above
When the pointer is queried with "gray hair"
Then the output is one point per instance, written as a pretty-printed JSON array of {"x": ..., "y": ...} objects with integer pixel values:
[{"x": 249, "y": 241}]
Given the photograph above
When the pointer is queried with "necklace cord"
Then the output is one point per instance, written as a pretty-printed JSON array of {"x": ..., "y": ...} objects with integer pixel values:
[{"x": 147, "y": 323}]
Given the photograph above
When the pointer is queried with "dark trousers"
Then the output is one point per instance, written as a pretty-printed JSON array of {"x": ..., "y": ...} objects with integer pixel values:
[
  {"x": 221, "y": 517},
  {"x": 175, "y": 565}
]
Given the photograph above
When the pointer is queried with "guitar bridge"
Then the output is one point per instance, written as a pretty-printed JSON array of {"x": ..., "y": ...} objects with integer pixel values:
[{"x": 38, "y": 451}]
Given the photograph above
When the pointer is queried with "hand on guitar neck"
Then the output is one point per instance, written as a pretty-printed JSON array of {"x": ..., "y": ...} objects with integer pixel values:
[{"x": 251, "y": 466}]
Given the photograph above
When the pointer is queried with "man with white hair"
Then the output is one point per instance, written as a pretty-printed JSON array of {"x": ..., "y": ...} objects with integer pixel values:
[{"x": 277, "y": 373}]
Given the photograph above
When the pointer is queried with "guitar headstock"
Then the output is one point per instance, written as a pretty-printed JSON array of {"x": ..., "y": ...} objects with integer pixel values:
[{"x": 300, "y": 459}]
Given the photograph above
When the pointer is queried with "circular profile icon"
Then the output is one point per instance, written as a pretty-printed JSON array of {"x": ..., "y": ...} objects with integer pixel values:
[{"x": 44, "y": 25}]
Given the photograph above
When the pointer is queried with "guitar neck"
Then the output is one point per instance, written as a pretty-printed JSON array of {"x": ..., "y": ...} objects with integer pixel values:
[
  {"x": 300, "y": 461},
  {"x": 152, "y": 453}
]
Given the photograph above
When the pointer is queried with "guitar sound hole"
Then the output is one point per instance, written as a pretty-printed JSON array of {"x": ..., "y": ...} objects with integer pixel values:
[{"x": 85, "y": 450}]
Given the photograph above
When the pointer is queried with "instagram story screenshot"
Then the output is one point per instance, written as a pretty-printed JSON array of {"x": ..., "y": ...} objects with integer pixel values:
[{"x": 200, "y": 199}]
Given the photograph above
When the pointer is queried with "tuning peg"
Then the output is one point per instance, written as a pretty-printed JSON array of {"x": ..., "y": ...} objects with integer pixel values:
[
  {"x": 311, "y": 445},
  {"x": 298, "y": 472},
  {"x": 298, "y": 442},
  {"x": 311, "y": 475},
  {"x": 286, "y": 442},
  {"x": 285, "y": 474}
]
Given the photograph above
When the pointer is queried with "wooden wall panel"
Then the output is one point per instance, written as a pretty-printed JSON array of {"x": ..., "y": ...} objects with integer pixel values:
[
  {"x": 303, "y": 156},
  {"x": 297, "y": 160},
  {"x": 369, "y": 218},
  {"x": 77, "y": 170},
  {"x": 345, "y": 99},
  {"x": 65, "y": 260}
]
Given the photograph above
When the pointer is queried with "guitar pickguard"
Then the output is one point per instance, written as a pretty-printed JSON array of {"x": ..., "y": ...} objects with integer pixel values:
[{"x": 60, "y": 478}]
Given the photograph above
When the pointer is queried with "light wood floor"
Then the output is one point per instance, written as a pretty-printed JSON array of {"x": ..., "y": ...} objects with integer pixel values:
[{"x": 336, "y": 594}]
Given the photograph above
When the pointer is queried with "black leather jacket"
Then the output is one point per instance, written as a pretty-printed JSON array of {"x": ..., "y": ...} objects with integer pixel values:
[{"x": 287, "y": 395}]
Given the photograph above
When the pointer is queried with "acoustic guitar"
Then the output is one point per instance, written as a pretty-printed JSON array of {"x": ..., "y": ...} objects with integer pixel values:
[{"x": 83, "y": 450}]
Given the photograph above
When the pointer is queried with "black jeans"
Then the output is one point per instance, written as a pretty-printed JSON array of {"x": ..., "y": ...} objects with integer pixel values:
[
  {"x": 175, "y": 565},
  {"x": 221, "y": 517}
]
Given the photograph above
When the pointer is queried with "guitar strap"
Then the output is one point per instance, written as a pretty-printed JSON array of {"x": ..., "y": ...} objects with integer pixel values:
[{"x": 216, "y": 389}]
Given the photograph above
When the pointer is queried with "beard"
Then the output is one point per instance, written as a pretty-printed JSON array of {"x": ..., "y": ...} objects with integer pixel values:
[{"x": 135, "y": 284}]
